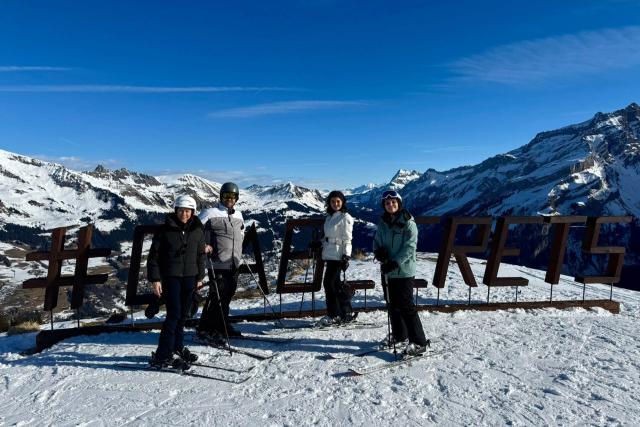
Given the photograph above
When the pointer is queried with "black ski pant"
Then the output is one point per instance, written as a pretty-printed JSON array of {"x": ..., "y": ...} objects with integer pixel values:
[
  {"x": 177, "y": 293},
  {"x": 338, "y": 299},
  {"x": 405, "y": 322},
  {"x": 211, "y": 320}
]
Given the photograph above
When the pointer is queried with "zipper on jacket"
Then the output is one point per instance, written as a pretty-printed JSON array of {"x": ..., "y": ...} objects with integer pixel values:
[
  {"x": 233, "y": 242},
  {"x": 184, "y": 250}
]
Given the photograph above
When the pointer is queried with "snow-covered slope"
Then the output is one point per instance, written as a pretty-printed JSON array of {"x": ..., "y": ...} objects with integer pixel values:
[
  {"x": 517, "y": 367},
  {"x": 46, "y": 195},
  {"x": 591, "y": 168}
]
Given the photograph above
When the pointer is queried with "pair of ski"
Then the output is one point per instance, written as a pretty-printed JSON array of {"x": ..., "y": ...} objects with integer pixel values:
[
  {"x": 314, "y": 327},
  {"x": 381, "y": 366},
  {"x": 233, "y": 349},
  {"x": 191, "y": 373},
  {"x": 270, "y": 340}
]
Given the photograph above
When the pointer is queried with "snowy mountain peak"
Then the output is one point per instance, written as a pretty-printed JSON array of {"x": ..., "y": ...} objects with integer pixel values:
[
  {"x": 361, "y": 189},
  {"x": 402, "y": 178},
  {"x": 287, "y": 190},
  {"x": 123, "y": 176}
]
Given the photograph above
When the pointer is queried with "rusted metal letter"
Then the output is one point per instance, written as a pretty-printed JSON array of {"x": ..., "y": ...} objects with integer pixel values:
[
  {"x": 559, "y": 245},
  {"x": 616, "y": 253},
  {"x": 448, "y": 247},
  {"x": 498, "y": 251}
]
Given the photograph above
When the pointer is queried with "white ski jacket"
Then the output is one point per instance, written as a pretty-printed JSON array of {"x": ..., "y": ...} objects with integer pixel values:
[{"x": 338, "y": 232}]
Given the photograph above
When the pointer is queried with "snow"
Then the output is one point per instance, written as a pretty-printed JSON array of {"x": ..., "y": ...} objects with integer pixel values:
[
  {"x": 522, "y": 367},
  {"x": 612, "y": 121},
  {"x": 107, "y": 226},
  {"x": 629, "y": 187}
]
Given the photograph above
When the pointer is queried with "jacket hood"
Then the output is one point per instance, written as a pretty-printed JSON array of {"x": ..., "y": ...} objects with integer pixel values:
[{"x": 399, "y": 220}]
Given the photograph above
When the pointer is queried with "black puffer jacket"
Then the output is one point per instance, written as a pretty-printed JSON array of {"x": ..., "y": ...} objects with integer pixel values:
[{"x": 177, "y": 250}]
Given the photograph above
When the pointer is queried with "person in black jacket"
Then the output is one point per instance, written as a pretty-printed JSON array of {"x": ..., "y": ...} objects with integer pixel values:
[{"x": 175, "y": 268}]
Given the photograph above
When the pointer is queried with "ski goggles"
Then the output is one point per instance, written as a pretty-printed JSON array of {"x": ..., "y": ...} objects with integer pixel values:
[
  {"x": 228, "y": 195},
  {"x": 391, "y": 194}
]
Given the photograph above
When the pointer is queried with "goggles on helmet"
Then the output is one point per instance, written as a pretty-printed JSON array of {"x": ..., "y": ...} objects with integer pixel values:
[
  {"x": 228, "y": 195},
  {"x": 391, "y": 194}
]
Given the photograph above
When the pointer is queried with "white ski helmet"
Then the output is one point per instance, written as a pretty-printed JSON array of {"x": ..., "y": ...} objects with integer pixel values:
[{"x": 185, "y": 202}]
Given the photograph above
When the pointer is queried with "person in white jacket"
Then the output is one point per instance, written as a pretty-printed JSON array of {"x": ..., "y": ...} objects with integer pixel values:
[{"x": 336, "y": 252}]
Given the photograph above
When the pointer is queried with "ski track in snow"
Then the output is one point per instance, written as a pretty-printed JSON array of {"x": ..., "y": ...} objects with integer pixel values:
[{"x": 516, "y": 367}]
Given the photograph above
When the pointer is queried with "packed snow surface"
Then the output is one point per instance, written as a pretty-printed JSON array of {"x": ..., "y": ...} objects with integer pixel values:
[{"x": 516, "y": 367}]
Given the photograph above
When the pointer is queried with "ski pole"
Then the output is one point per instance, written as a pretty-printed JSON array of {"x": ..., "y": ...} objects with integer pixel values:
[
  {"x": 262, "y": 291},
  {"x": 306, "y": 274},
  {"x": 224, "y": 321},
  {"x": 387, "y": 299},
  {"x": 348, "y": 293}
]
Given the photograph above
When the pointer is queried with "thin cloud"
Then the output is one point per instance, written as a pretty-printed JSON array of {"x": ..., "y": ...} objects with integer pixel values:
[
  {"x": 553, "y": 58},
  {"x": 285, "y": 107},
  {"x": 138, "y": 89},
  {"x": 22, "y": 68}
]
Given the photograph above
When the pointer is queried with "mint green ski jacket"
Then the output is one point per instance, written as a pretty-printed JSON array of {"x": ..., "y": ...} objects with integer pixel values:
[{"x": 399, "y": 236}]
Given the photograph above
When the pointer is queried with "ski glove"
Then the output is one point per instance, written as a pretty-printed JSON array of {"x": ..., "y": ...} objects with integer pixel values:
[
  {"x": 389, "y": 266},
  {"x": 381, "y": 254},
  {"x": 344, "y": 263}
]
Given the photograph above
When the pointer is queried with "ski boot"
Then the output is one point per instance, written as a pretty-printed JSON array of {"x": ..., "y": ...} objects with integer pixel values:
[
  {"x": 327, "y": 321},
  {"x": 170, "y": 363},
  {"x": 349, "y": 317},
  {"x": 414, "y": 350},
  {"x": 390, "y": 340},
  {"x": 186, "y": 356},
  {"x": 159, "y": 364}
]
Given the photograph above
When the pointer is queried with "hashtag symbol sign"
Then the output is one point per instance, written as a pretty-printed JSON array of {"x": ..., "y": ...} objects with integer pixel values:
[{"x": 56, "y": 256}]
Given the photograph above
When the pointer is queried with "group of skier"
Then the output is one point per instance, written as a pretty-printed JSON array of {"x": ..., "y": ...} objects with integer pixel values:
[{"x": 187, "y": 245}]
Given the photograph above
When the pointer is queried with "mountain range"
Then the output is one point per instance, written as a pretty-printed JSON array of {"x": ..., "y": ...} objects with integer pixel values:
[{"x": 590, "y": 168}]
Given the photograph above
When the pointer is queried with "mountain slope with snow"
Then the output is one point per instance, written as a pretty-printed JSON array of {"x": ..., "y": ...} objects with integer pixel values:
[
  {"x": 591, "y": 168},
  {"x": 47, "y": 195}
]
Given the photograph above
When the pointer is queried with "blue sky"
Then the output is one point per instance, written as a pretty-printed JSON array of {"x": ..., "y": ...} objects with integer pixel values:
[{"x": 330, "y": 94}]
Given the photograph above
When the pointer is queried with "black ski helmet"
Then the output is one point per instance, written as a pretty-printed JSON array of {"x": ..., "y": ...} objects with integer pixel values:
[{"x": 230, "y": 187}]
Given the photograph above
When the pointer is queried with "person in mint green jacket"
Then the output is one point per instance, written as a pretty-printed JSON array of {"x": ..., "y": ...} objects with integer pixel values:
[{"x": 394, "y": 245}]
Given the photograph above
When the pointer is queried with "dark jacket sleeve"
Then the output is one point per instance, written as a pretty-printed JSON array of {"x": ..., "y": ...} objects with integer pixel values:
[
  {"x": 377, "y": 238},
  {"x": 153, "y": 260},
  {"x": 202, "y": 258},
  {"x": 207, "y": 233}
]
